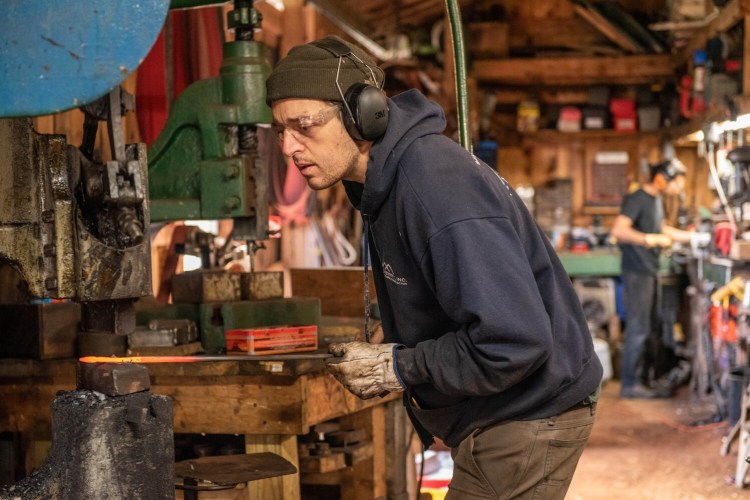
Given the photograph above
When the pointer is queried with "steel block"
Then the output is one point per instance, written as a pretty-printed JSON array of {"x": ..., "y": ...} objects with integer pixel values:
[{"x": 113, "y": 379}]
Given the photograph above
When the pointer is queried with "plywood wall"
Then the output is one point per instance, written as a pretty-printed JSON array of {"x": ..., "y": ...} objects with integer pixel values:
[{"x": 537, "y": 162}]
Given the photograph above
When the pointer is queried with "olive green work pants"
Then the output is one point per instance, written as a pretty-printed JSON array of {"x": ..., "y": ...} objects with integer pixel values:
[{"x": 533, "y": 459}]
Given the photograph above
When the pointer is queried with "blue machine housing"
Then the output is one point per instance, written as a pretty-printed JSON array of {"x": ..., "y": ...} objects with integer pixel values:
[{"x": 61, "y": 54}]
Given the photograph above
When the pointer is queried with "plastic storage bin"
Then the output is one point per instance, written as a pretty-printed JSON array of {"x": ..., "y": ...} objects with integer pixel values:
[
  {"x": 649, "y": 118},
  {"x": 624, "y": 116},
  {"x": 569, "y": 120},
  {"x": 595, "y": 118}
]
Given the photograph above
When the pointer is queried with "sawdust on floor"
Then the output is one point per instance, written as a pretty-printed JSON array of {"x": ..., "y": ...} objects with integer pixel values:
[{"x": 664, "y": 449}]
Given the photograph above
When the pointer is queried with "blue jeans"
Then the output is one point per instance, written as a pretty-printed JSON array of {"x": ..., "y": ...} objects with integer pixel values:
[{"x": 640, "y": 297}]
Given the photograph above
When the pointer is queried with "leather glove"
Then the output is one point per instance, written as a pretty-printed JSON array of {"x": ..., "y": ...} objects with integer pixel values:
[
  {"x": 658, "y": 240},
  {"x": 366, "y": 370}
]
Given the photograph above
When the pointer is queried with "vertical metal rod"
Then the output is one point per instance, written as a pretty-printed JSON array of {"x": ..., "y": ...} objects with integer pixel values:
[{"x": 454, "y": 16}]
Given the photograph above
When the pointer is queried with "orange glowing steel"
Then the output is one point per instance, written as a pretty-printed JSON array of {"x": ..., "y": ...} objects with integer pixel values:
[{"x": 144, "y": 359}]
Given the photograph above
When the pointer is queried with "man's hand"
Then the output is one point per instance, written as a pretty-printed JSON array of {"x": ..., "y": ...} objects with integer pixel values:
[
  {"x": 658, "y": 240},
  {"x": 366, "y": 370}
]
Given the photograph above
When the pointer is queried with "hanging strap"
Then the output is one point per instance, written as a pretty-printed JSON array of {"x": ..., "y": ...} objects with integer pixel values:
[{"x": 366, "y": 259}]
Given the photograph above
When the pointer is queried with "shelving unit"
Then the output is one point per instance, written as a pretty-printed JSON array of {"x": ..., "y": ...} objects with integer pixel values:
[
  {"x": 732, "y": 13},
  {"x": 624, "y": 70},
  {"x": 556, "y": 136}
]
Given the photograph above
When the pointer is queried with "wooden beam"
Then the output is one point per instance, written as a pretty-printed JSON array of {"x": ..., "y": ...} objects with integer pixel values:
[
  {"x": 345, "y": 19},
  {"x": 732, "y": 13},
  {"x": 608, "y": 29},
  {"x": 625, "y": 70},
  {"x": 552, "y": 32},
  {"x": 546, "y": 96}
]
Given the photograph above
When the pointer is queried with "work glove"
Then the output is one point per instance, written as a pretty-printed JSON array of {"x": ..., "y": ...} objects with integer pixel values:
[
  {"x": 366, "y": 370},
  {"x": 699, "y": 240},
  {"x": 658, "y": 240}
]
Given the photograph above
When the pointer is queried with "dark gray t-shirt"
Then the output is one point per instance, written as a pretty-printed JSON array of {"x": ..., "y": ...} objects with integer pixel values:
[{"x": 647, "y": 213}]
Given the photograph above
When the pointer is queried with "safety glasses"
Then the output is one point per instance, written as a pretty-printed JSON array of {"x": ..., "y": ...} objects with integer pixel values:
[{"x": 303, "y": 126}]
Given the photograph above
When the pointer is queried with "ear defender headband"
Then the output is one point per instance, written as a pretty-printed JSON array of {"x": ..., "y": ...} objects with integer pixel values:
[
  {"x": 669, "y": 169},
  {"x": 366, "y": 116}
]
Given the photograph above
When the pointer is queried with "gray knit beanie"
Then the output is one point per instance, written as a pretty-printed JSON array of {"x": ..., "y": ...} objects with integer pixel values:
[{"x": 309, "y": 72}]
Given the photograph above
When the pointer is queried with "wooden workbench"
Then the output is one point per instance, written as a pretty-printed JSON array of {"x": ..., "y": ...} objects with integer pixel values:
[{"x": 270, "y": 403}]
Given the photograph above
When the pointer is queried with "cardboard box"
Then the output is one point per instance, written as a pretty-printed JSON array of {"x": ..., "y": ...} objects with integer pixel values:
[{"x": 740, "y": 250}]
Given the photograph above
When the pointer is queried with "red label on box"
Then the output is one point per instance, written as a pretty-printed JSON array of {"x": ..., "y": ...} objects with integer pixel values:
[{"x": 271, "y": 340}]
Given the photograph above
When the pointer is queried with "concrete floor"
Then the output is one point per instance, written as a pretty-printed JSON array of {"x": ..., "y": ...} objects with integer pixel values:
[{"x": 646, "y": 450}]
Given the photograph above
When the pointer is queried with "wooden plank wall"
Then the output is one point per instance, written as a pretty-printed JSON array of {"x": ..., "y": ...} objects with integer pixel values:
[
  {"x": 70, "y": 124},
  {"x": 533, "y": 165}
]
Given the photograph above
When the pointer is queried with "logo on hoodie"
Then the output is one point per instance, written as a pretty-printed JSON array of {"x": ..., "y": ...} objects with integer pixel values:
[{"x": 389, "y": 274}]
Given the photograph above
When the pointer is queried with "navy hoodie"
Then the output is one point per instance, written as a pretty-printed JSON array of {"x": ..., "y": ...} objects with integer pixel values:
[{"x": 467, "y": 282}]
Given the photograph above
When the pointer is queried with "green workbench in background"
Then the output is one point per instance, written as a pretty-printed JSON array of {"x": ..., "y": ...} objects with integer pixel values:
[{"x": 604, "y": 262}]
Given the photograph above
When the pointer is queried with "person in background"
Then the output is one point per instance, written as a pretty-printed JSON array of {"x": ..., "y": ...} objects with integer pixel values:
[
  {"x": 484, "y": 334},
  {"x": 642, "y": 233}
]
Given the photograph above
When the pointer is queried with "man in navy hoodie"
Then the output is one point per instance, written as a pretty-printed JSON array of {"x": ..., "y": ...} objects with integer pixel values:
[{"x": 483, "y": 331}]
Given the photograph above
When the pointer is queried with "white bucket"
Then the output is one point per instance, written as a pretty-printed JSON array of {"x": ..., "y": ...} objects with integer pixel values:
[{"x": 601, "y": 348}]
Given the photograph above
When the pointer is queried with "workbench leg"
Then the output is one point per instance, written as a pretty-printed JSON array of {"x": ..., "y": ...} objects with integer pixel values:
[
  {"x": 400, "y": 464},
  {"x": 275, "y": 488},
  {"x": 366, "y": 480}
]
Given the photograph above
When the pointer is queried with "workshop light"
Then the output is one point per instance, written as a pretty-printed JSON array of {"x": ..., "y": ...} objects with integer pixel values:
[
  {"x": 696, "y": 136},
  {"x": 717, "y": 128},
  {"x": 191, "y": 262},
  {"x": 276, "y": 4},
  {"x": 741, "y": 122}
]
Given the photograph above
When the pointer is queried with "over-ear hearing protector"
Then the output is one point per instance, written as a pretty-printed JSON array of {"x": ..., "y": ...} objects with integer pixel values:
[{"x": 366, "y": 114}]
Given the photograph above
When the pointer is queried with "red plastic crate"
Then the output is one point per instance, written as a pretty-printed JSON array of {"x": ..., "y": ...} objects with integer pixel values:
[
  {"x": 622, "y": 106},
  {"x": 625, "y": 122},
  {"x": 271, "y": 340}
]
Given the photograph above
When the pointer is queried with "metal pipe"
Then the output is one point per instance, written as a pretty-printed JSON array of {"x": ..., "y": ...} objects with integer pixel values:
[
  {"x": 462, "y": 95},
  {"x": 191, "y": 4}
]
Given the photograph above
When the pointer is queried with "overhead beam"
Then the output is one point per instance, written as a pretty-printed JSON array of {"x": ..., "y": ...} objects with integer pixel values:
[
  {"x": 343, "y": 18},
  {"x": 552, "y": 32},
  {"x": 607, "y": 28},
  {"x": 621, "y": 70}
]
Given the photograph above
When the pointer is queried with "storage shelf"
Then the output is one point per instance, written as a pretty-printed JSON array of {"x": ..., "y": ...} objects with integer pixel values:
[
  {"x": 575, "y": 71},
  {"x": 732, "y": 13},
  {"x": 552, "y": 135}
]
